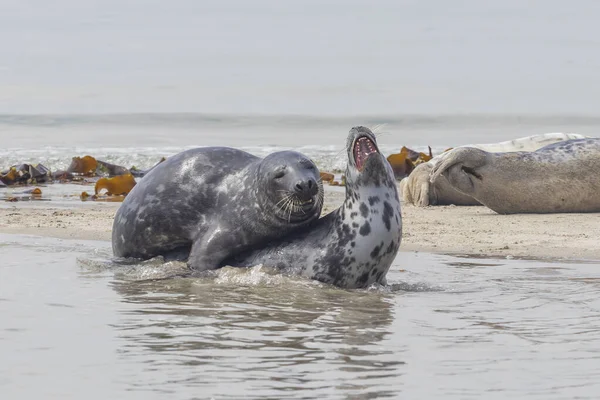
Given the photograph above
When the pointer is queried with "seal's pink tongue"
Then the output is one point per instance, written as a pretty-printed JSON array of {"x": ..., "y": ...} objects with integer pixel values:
[{"x": 362, "y": 149}]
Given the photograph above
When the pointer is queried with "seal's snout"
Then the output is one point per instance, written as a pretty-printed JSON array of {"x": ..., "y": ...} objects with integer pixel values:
[{"x": 305, "y": 189}]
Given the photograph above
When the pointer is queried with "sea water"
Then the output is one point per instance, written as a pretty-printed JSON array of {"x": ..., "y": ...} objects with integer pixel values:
[{"x": 75, "y": 324}]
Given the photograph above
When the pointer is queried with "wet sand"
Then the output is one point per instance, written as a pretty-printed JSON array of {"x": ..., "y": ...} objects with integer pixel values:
[{"x": 442, "y": 229}]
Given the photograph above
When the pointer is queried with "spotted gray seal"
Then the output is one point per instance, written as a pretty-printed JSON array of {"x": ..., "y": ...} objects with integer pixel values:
[
  {"x": 418, "y": 190},
  {"x": 353, "y": 246},
  {"x": 216, "y": 201},
  {"x": 558, "y": 178}
]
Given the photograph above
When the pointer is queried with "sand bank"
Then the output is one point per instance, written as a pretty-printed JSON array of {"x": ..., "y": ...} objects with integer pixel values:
[{"x": 440, "y": 229}]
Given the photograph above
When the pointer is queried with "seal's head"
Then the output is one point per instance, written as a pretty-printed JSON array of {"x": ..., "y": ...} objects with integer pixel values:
[
  {"x": 463, "y": 167},
  {"x": 292, "y": 184},
  {"x": 366, "y": 165}
]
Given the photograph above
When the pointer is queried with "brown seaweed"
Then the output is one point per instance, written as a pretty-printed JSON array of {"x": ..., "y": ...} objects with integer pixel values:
[
  {"x": 85, "y": 165},
  {"x": 118, "y": 185},
  {"x": 404, "y": 163},
  {"x": 9, "y": 177},
  {"x": 101, "y": 197},
  {"x": 24, "y": 174},
  {"x": 327, "y": 177},
  {"x": 27, "y": 195},
  {"x": 80, "y": 167},
  {"x": 34, "y": 192}
]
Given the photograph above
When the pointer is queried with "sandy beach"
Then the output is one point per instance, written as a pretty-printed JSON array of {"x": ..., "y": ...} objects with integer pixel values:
[{"x": 440, "y": 229}]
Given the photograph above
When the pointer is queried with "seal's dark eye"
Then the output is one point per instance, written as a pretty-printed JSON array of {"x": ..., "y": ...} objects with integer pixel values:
[{"x": 279, "y": 173}]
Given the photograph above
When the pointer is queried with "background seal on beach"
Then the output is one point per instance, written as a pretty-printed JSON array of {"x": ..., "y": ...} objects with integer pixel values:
[
  {"x": 418, "y": 190},
  {"x": 561, "y": 177},
  {"x": 355, "y": 245},
  {"x": 213, "y": 202}
]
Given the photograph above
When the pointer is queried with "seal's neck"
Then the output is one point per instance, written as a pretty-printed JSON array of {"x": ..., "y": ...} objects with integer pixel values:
[
  {"x": 363, "y": 198},
  {"x": 255, "y": 194},
  {"x": 357, "y": 193}
]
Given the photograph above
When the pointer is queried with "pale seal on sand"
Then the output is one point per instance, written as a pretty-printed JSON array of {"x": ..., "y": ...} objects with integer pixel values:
[
  {"x": 418, "y": 190},
  {"x": 219, "y": 201},
  {"x": 558, "y": 178},
  {"x": 355, "y": 245}
]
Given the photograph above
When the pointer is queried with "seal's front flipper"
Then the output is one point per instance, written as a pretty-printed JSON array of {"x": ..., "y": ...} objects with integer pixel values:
[
  {"x": 211, "y": 249},
  {"x": 467, "y": 158},
  {"x": 202, "y": 259},
  {"x": 178, "y": 254}
]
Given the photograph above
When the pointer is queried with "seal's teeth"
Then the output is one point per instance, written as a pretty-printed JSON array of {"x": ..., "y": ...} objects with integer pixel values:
[
  {"x": 363, "y": 148},
  {"x": 306, "y": 202}
]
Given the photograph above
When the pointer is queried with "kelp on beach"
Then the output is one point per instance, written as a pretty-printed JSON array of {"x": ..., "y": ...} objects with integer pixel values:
[
  {"x": 113, "y": 182},
  {"x": 117, "y": 181},
  {"x": 404, "y": 162}
]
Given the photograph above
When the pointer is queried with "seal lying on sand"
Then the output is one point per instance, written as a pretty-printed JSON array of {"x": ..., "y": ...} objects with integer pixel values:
[
  {"x": 561, "y": 177},
  {"x": 418, "y": 190},
  {"x": 353, "y": 246},
  {"x": 218, "y": 201}
]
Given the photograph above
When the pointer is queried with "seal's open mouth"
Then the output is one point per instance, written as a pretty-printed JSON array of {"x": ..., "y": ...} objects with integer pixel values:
[{"x": 363, "y": 148}]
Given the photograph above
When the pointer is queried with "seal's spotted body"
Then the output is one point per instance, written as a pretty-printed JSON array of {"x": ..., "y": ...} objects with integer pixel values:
[
  {"x": 355, "y": 245},
  {"x": 216, "y": 201},
  {"x": 558, "y": 178}
]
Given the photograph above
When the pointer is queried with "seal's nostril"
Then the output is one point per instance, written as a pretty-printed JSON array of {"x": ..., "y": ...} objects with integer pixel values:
[
  {"x": 299, "y": 187},
  {"x": 310, "y": 183}
]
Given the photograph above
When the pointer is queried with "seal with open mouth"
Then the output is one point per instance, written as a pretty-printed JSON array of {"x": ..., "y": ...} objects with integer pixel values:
[
  {"x": 211, "y": 203},
  {"x": 355, "y": 245}
]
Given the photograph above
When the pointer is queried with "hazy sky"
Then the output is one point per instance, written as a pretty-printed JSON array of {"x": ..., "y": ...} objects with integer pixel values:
[{"x": 301, "y": 57}]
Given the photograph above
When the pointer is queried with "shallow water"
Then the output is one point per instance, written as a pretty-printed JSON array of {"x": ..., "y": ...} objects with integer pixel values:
[
  {"x": 448, "y": 326},
  {"x": 60, "y": 194}
]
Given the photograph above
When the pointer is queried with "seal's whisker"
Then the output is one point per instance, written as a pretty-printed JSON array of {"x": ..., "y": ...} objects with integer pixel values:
[
  {"x": 377, "y": 129},
  {"x": 288, "y": 203},
  {"x": 284, "y": 207},
  {"x": 320, "y": 199},
  {"x": 282, "y": 200},
  {"x": 293, "y": 206},
  {"x": 297, "y": 205},
  {"x": 339, "y": 152}
]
